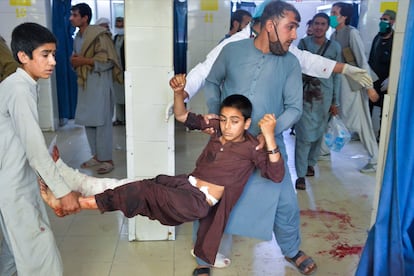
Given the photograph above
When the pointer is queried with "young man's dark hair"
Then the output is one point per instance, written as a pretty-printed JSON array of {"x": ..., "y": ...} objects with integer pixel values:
[
  {"x": 238, "y": 16},
  {"x": 29, "y": 36},
  {"x": 239, "y": 102},
  {"x": 84, "y": 10},
  {"x": 345, "y": 10},
  {"x": 321, "y": 14},
  {"x": 277, "y": 9}
]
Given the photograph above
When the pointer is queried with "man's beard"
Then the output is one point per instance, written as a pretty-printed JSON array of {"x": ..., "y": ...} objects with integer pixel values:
[{"x": 276, "y": 47}]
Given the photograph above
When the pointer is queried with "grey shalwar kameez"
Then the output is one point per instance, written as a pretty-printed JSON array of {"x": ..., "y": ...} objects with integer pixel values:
[
  {"x": 274, "y": 85},
  {"x": 29, "y": 245},
  {"x": 313, "y": 122},
  {"x": 95, "y": 105}
]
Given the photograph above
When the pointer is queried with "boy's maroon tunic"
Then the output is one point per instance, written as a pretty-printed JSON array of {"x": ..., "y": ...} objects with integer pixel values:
[{"x": 229, "y": 165}]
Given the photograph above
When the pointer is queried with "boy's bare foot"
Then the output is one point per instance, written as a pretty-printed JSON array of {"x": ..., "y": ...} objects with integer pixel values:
[{"x": 50, "y": 199}]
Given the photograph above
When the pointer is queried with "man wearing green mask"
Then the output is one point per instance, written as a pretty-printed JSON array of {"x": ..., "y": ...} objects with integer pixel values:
[
  {"x": 380, "y": 56},
  {"x": 354, "y": 101}
]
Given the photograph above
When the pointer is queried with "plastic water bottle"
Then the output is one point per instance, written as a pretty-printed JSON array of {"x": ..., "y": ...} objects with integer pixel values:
[{"x": 338, "y": 144}]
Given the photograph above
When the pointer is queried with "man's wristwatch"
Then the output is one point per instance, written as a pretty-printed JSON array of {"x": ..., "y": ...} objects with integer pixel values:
[{"x": 273, "y": 151}]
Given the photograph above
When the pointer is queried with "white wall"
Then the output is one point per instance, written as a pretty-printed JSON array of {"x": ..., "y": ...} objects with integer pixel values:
[
  {"x": 389, "y": 100},
  {"x": 149, "y": 67},
  {"x": 205, "y": 29}
]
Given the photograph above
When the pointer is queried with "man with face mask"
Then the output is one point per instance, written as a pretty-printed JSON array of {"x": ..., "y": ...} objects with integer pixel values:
[
  {"x": 263, "y": 70},
  {"x": 354, "y": 101},
  {"x": 380, "y": 56}
]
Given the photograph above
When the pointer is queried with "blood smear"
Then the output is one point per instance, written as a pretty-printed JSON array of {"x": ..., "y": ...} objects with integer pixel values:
[
  {"x": 342, "y": 250},
  {"x": 343, "y": 218}
]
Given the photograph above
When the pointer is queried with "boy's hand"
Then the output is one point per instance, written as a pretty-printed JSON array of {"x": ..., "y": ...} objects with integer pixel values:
[
  {"x": 267, "y": 124},
  {"x": 177, "y": 83},
  {"x": 70, "y": 203},
  {"x": 207, "y": 118}
]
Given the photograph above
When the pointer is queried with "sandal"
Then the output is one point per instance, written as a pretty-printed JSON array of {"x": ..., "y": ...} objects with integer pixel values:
[
  {"x": 300, "y": 184},
  {"x": 90, "y": 163},
  {"x": 305, "y": 264},
  {"x": 201, "y": 270},
  {"x": 105, "y": 167}
]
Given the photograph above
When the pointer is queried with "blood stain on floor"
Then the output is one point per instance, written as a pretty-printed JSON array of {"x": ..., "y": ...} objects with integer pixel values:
[{"x": 342, "y": 250}]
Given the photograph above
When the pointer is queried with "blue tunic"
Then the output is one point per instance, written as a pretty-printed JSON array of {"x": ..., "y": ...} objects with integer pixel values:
[
  {"x": 313, "y": 122},
  {"x": 274, "y": 85}
]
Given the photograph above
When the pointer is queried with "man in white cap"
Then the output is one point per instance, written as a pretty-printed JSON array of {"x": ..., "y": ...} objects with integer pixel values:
[{"x": 104, "y": 22}]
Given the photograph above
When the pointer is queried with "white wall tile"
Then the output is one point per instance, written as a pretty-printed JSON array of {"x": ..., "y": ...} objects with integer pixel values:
[
  {"x": 148, "y": 13},
  {"x": 396, "y": 62},
  {"x": 402, "y": 16},
  {"x": 150, "y": 84},
  {"x": 150, "y": 123},
  {"x": 149, "y": 46},
  {"x": 149, "y": 158},
  {"x": 149, "y": 63}
]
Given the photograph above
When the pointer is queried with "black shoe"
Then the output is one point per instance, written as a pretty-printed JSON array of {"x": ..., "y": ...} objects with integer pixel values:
[
  {"x": 201, "y": 270},
  {"x": 300, "y": 184}
]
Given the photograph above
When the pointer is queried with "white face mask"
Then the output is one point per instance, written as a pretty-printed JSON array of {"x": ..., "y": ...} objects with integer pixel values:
[{"x": 119, "y": 31}]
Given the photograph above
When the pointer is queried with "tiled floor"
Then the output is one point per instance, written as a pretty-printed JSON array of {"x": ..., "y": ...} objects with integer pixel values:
[{"x": 335, "y": 216}]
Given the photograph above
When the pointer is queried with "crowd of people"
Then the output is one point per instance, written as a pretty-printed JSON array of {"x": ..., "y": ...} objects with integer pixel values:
[{"x": 251, "y": 102}]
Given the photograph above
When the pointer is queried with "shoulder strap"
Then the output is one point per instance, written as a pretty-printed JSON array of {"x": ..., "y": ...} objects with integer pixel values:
[
  {"x": 328, "y": 42},
  {"x": 302, "y": 41}
]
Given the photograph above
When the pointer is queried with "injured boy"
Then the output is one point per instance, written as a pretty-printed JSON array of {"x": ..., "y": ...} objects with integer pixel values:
[{"x": 208, "y": 193}]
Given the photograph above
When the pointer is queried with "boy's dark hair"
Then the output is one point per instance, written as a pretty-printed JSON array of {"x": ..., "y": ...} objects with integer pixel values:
[
  {"x": 277, "y": 9},
  {"x": 323, "y": 15},
  {"x": 29, "y": 36},
  {"x": 84, "y": 10},
  {"x": 239, "y": 102},
  {"x": 238, "y": 16},
  {"x": 345, "y": 10}
]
